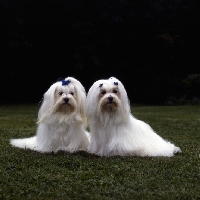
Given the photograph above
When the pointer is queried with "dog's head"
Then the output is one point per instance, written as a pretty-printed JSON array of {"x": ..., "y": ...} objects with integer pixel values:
[
  {"x": 66, "y": 97},
  {"x": 107, "y": 97}
]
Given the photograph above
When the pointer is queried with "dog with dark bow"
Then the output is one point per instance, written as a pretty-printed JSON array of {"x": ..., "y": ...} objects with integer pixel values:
[
  {"x": 114, "y": 130},
  {"x": 61, "y": 120}
]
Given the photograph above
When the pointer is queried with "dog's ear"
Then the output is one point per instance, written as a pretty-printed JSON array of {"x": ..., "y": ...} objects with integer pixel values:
[
  {"x": 123, "y": 95},
  {"x": 81, "y": 105},
  {"x": 81, "y": 98},
  {"x": 92, "y": 99},
  {"x": 48, "y": 101}
]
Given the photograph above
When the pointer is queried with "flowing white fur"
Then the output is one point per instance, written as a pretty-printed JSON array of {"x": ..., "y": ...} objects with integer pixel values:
[
  {"x": 61, "y": 120},
  {"x": 114, "y": 130}
]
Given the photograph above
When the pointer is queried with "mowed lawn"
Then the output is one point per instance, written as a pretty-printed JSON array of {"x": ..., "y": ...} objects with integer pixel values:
[{"x": 25, "y": 174}]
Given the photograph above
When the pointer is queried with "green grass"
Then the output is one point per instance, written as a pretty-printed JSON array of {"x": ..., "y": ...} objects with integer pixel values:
[{"x": 25, "y": 174}]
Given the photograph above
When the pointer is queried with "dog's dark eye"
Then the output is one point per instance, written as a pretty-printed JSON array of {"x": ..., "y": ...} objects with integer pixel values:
[
  {"x": 72, "y": 93},
  {"x": 115, "y": 91},
  {"x": 103, "y": 92},
  {"x": 60, "y": 93}
]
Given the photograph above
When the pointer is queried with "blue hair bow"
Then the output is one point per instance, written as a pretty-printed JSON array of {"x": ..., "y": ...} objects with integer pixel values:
[
  {"x": 115, "y": 83},
  {"x": 64, "y": 82}
]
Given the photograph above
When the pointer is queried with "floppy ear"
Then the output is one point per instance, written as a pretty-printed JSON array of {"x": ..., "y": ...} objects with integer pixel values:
[
  {"x": 124, "y": 99},
  {"x": 92, "y": 101},
  {"x": 125, "y": 106},
  {"x": 48, "y": 102},
  {"x": 81, "y": 98},
  {"x": 81, "y": 104}
]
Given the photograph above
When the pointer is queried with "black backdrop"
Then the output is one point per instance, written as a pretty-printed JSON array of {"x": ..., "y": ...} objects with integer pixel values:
[{"x": 151, "y": 46}]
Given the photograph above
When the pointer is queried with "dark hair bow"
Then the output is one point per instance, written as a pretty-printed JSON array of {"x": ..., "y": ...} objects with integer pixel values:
[
  {"x": 115, "y": 83},
  {"x": 65, "y": 82}
]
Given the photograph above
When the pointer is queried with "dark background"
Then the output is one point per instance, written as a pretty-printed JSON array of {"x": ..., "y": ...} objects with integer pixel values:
[{"x": 151, "y": 46}]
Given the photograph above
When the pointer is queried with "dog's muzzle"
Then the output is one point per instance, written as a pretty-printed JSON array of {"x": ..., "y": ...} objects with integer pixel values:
[
  {"x": 110, "y": 99},
  {"x": 66, "y": 100}
]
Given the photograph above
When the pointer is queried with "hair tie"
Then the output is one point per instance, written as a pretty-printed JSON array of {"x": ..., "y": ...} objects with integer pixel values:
[{"x": 64, "y": 82}]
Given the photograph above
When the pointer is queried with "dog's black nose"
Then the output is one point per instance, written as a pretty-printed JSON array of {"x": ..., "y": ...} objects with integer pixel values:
[
  {"x": 66, "y": 100},
  {"x": 110, "y": 98}
]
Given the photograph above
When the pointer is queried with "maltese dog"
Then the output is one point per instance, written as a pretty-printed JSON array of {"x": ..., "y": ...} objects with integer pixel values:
[
  {"x": 114, "y": 131},
  {"x": 61, "y": 120}
]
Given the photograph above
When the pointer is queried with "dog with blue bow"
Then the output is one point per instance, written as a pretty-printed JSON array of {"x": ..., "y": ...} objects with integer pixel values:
[{"x": 61, "y": 120}]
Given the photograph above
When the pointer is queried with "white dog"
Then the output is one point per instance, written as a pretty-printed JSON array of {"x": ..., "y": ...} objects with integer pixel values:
[
  {"x": 61, "y": 120},
  {"x": 114, "y": 131}
]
